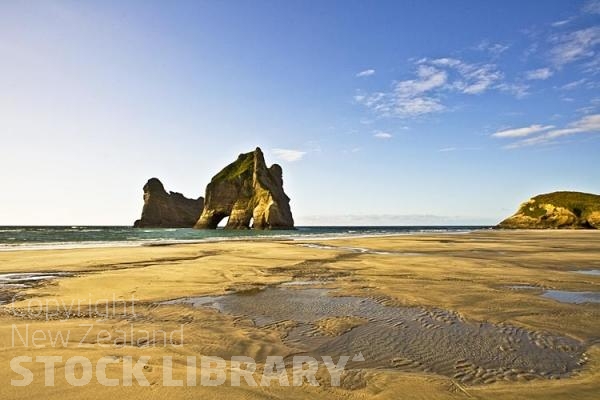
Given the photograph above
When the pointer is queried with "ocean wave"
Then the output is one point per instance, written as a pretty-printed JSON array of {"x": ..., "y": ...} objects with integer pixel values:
[
  {"x": 64, "y": 245},
  {"x": 45, "y": 238}
]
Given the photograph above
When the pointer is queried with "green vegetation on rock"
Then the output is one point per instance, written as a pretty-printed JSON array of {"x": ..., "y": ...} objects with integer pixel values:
[
  {"x": 557, "y": 210},
  {"x": 581, "y": 204},
  {"x": 244, "y": 163},
  {"x": 249, "y": 194}
]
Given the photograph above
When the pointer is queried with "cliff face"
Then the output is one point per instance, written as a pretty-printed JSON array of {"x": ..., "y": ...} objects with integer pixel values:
[
  {"x": 558, "y": 210},
  {"x": 250, "y": 194},
  {"x": 167, "y": 210}
]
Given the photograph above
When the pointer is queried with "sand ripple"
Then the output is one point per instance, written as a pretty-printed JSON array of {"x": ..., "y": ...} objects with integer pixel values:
[{"x": 407, "y": 338}]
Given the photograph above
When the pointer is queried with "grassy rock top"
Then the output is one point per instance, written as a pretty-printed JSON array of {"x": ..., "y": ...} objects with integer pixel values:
[
  {"x": 557, "y": 210},
  {"x": 243, "y": 165}
]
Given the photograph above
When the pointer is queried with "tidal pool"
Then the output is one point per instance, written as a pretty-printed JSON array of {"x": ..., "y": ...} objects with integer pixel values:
[
  {"x": 29, "y": 278},
  {"x": 523, "y": 287},
  {"x": 11, "y": 284},
  {"x": 588, "y": 271},
  {"x": 565, "y": 296},
  {"x": 411, "y": 338}
]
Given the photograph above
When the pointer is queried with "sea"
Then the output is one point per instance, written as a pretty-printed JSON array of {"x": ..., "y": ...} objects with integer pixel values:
[{"x": 57, "y": 237}]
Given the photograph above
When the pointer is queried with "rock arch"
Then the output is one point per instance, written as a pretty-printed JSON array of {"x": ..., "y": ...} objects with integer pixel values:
[{"x": 247, "y": 192}]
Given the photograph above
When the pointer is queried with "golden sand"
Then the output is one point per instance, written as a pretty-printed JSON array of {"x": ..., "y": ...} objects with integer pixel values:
[{"x": 468, "y": 274}]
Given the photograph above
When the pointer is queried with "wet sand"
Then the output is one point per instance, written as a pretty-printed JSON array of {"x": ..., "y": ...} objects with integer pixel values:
[
  {"x": 435, "y": 316},
  {"x": 408, "y": 338}
]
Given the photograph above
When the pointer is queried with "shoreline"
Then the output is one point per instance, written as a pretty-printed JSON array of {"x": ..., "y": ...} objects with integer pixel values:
[
  {"x": 45, "y": 246},
  {"x": 458, "y": 229},
  {"x": 477, "y": 283}
]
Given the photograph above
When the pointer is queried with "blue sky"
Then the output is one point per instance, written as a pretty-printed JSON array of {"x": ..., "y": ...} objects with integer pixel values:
[{"x": 379, "y": 112}]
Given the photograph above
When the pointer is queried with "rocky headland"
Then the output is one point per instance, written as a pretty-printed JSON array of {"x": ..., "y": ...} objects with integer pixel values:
[
  {"x": 557, "y": 210},
  {"x": 250, "y": 194},
  {"x": 247, "y": 192},
  {"x": 167, "y": 210}
]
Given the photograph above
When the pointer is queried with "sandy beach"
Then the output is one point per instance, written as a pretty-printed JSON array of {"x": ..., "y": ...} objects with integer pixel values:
[
  {"x": 299, "y": 200},
  {"x": 435, "y": 316}
]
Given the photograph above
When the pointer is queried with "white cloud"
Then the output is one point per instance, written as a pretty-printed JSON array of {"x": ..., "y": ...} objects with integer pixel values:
[
  {"x": 592, "y": 7},
  {"x": 366, "y": 72},
  {"x": 519, "y": 90},
  {"x": 495, "y": 49},
  {"x": 593, "y": 106},
  {"x": 289, "y": 155},
  {"x": 446, "y": 62},
  {"x": 371, "y": 100},
  {"x": 561, "y": 22},
  {"x": 428, "y": 78},
  {"x": 383, "y": 135},
  {"x": 452, "y": 149},
  {"x": 587, "y": 124},
  {"x": 473, "y": 78},
  {"x": 408, "y": 98},
  {"x": 415, "y": 106},
  {"x": 575, "y": 45},
  {"x": 521, "y": 132},
  {"x": 477, "y": 79},
  {"x": 593, "y": 65},
  {"x": 573, "y": 85},
  {"x": 539, "y": 74},
  {"x": 423, "y": 94}
]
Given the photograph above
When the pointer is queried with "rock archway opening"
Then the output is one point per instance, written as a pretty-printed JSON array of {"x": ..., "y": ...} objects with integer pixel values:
[{"x": 222, "y": 221}]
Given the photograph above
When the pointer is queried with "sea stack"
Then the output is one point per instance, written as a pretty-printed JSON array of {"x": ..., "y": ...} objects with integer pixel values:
[
  {"x": 557, "y": 210},
  {"x": 250, "y": 194},
  {"x": 167, "y": 210}
]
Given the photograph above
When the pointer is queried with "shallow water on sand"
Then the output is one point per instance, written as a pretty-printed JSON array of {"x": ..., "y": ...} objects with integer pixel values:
[
  {"x": 409, "y": 338},
  {"x": 10, "y": 284},
  {"x": 523, "y": 287},
  {"x": 589, "y": 272},
  {"x": 361, "y": 250},
  {"x": 565, "y": 296},
  {"x": 29, "y": 277}
]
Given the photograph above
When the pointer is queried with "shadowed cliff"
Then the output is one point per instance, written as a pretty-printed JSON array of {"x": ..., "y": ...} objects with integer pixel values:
[
  {"x": 167, "y": 210},
  {"x": 250, "y": 194}
]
